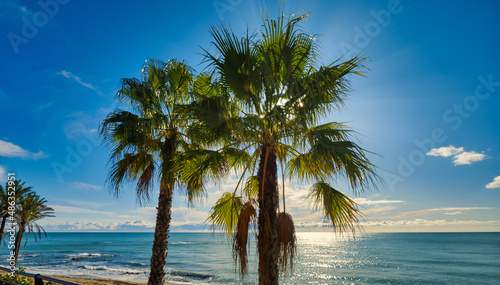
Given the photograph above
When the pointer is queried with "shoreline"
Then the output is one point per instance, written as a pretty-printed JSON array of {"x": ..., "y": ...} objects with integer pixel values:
[{"x": 98, "y": 281}]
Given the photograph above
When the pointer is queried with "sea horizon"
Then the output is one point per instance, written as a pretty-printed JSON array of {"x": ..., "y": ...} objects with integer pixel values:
[{"x": 323, "y": 258}]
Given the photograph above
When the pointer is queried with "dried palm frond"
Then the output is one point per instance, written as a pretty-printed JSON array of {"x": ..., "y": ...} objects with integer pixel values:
[
  {"x": 287, "y": 241},
  {"x": 248, "y": 216}
]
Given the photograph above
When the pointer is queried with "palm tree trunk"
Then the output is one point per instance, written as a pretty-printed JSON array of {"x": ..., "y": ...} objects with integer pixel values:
[
  {"x": 19, "y": 239},
  {"x": 164, "y": 214},
  {"x": 2, "y": 228},
  {"x": 160, "y": 244},
  {"x": 267, "y": 239}
]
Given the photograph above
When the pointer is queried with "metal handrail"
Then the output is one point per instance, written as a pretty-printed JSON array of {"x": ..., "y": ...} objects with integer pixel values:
[{"x": 40, "y": 277}]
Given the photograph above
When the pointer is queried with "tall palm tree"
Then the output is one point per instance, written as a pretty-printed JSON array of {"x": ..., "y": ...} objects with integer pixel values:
[
  {"x": 19, "y": 193},
  {"x": 147, "y": 143},
  {"x": 279, "y": 97},
  {"x": 30, "y": 210}
]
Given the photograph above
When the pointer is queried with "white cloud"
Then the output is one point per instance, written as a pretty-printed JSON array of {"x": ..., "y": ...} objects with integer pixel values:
[
  {"x": 445, "y": 151},
  {"x": 70, "y": 75},
  {"x": 364, "y": 201},
  {"x": 8, "y": 149},
  {"x": 468, "y": 157},
  {"x": 494, "y": 184},
  {"x": 86, "y": 186},
  {"x": 460, "y": 156}
]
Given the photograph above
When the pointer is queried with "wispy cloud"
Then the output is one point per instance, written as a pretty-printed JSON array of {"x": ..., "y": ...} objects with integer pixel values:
[
  {"x": 494, "y": 184},
  {"x": 69, "y": 209},
  {"x": 460, "y": 156},
  {"x": 424, "y": 222},
  {"x": 76, "y": 78},
  {"x": 446, "y": 210},
  {"x": 86, "y": 186},
  {"x": 41, "y": 107},
  {"x": 83, "y": 123},
  {"x": 84, "y": 203},
  {"x": 365, "y": 201},
  {"x": 8, "y": 149},
  {"x": 378, "y": 210}
]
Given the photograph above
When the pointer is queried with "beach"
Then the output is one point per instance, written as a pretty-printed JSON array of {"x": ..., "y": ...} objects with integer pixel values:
[{"x": 97, "y": 281}]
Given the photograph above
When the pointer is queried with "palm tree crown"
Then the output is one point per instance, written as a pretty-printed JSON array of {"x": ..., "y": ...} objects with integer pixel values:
[
  {"x": 148, "y": 144},
  {"x": 269, "y": 97},
  {"x": 20, "y": 192},
  {"x": 29, "y": 211}
]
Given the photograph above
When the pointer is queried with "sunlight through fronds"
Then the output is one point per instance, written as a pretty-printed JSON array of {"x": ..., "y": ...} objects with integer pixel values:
[
  {"x": 268, "y": 90},
  {"x": 328, "y": 158},
  {"x": 224, "y": 214},
  {"x": 339, "y": 209},
  {"x": 251, "y": 188}
]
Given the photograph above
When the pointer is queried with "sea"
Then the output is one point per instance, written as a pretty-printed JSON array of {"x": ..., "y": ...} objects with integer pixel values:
[{"x": 323, "y": 258}]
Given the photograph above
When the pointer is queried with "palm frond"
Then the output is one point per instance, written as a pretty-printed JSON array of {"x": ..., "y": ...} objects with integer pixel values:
[
  {"x": 251, "y": 188},
  {"x": 328, "y": 158},
  {"x": 339, "y": 209},
  {"x": 224, "y": 214}
]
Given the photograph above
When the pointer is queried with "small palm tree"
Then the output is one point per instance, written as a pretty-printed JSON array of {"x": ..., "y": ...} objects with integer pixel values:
[
  {"x": 30, "y": 210},
  {"x": 148, "y": 143},
  {"x": 269, "y": 97},
  {"x": 19, "y": 193}
]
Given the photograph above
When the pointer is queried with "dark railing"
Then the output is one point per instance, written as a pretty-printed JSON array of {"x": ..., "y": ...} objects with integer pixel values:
[{"x": 38, "y": 278}]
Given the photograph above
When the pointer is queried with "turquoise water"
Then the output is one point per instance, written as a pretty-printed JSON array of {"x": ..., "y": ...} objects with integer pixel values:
[{"x": 323, "y": 258}]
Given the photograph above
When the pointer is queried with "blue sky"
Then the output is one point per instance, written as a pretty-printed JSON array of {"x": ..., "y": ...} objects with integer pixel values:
[{"x": 428, "y": 107}]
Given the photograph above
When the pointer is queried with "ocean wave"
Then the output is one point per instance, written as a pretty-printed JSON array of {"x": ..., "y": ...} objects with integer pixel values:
[
  {"x": 122, "y": 271},
  {"x": 191, "y": 275},
  {"x": 105, "y": 272},
  {"x": 85, "y": 255},
  {"x": 181, "y": 242},
  {"x": 137, "y": 263}
]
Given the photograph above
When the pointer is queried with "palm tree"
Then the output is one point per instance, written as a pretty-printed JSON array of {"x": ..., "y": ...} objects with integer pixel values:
[
  {"x": 19, "y": 193},
  {"x": 147, "y": 144},
  {"x": 278, "y": 97},
  {"x": 30, "y": 210}
]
